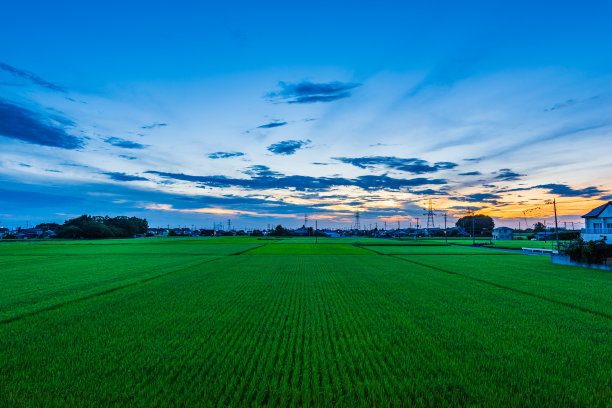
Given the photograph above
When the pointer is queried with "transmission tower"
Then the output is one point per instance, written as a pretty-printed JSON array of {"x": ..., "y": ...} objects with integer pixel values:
[
  {"x": 430, "y": 215},
  {"x": 357, "y": 223},
  {"x": 305, "y": 220},
  {"x": 229, "y": 225}
]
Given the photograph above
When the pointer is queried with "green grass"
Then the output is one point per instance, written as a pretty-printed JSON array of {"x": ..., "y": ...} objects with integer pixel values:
[
  {"x": 504, "y": 244},
  {"x": 300, "y": 325},
  {"x": 309, "y": 249},
  {"x": 583, "y": 288},
  {"x": 433, "y": 250}
]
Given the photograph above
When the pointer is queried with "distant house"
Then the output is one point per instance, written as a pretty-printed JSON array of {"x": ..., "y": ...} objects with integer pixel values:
[
  {"x": 598, "y": 224},
  {"x": 30, "y": 233},
  {"x": 503, "y": 233},
  {"x": 49, "y": 234},
  {"x": 208, "y": 232},
  {"x": 300, "y": 232},
  {"x": 545, "y": 235}
]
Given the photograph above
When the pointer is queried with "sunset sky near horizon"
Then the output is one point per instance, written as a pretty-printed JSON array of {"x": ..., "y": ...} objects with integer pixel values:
[{"x": 195, "y": 112}]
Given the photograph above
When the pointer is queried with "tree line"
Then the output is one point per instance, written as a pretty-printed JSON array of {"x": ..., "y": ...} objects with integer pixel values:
[{"x": 87, "y": 226}]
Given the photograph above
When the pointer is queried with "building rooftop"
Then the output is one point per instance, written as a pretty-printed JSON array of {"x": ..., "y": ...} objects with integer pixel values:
[{"x": 596, "y": 211}]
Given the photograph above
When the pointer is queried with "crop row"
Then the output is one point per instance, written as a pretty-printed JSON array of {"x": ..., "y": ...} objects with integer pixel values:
[{"x": 317, "y": 330}]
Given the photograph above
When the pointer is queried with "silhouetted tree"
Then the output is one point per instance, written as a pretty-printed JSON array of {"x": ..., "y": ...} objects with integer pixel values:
[
  {"x": 279, "y": 231},
  {"x": 539, "y": 227},
  {"x": 87, "y": 226},
  {"x": 483, "y": 224}
]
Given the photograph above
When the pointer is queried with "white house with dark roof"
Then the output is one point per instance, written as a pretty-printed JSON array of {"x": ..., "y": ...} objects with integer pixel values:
[
  {"x": 598, "y": 224},
  {"x": 503, "y": 233}
]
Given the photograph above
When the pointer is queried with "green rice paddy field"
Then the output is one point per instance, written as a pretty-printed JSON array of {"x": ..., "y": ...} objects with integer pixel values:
[{"x": 249, "y": 322}]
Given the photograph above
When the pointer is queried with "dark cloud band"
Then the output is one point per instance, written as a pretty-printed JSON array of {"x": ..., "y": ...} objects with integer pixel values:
[
  {"x": 262, "y": 178},
  {"x": 30, "y": 127},
  {"x": 310, "y": 92},
  {"x": 287, "y": 147},
  {"x": 411, "y": 165},
  {"x": 31, "y": 77}
]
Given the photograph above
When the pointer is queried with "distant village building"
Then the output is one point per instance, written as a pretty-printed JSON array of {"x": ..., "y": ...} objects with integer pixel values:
[
  {"x": 29, "y": 233},
  {"x": 598, "y": 224},
  {"x": 301, "y": 232},
  {"x": 503, "y": 233},
  {"x": 545, "y": 235}
]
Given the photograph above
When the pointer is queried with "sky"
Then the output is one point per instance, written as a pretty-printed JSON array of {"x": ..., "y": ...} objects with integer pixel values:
[{"x": 196, "y": 112}]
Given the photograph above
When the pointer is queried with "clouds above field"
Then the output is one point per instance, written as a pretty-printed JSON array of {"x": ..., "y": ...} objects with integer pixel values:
[
  {"x": 153, "y": 126},
  {"x": 287, "y": 147},
  {"x": 564, "y": 190},
  {"x": 30, "y": 127},
  {"x": 309, "y": 92},
  {"x": 30, "y": 77},
  {"x": 224, "y": 155},
  {"x": 415, "y": 166},
  {"x": 272, "y": 125},
  {"x": 124, "y": 144},
  {"x": 263, "y": 178}
]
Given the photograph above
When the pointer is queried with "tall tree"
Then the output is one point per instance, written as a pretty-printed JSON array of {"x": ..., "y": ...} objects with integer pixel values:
[
  {"x": 483, "y": 224},
  {"x": 539, "y": 227}
]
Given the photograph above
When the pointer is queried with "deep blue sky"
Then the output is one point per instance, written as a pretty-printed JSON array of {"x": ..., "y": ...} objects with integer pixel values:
[{"x": 194, "y": 112}]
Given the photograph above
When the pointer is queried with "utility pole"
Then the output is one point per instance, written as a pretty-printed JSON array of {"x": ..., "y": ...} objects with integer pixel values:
[
  {"x": 445, "y": 237},
  {"x": 473, "y": 236},
  {"x": 385, "y": 225},
  {"x": 315, "y": 231},
  {"x": 398, "y": 225},
  {"x": 556, "y": 224}
]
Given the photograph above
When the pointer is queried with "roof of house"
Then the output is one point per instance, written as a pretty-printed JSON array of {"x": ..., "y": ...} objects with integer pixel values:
[
  {"x": 501, "y": 228},
  {"x": 596, "y": 211}
]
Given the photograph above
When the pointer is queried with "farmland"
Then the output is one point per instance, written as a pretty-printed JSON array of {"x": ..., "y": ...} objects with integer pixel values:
[{"x": 253, "y": 322}]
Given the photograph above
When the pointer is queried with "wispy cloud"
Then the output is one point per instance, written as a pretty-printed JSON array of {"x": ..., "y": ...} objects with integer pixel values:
[
  {"x": 480, "y": 197},
  {"x": 154, "y": 125},
  {"x": 563, "y": 190},
  {"x": 30, "y": 127},
  {"x": 570, "y": 102},
  {"x": 309, "y": 92},
  {"x": 287, "y": 147},
  {"x": 471, "y": 173},
  {"x": 508, "y": 175},
  {"x": 448, "y": 72},
  {"x": 117, "y": 176},
  {"x": 224, "y": 155},
  {"x": 272, "y": 125},
  {"x": 31, "y": 77},
  {"x": 124, "y": 144},
  {"x": 412, "y": 165},
  {"x": 429, "y": 192}
]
